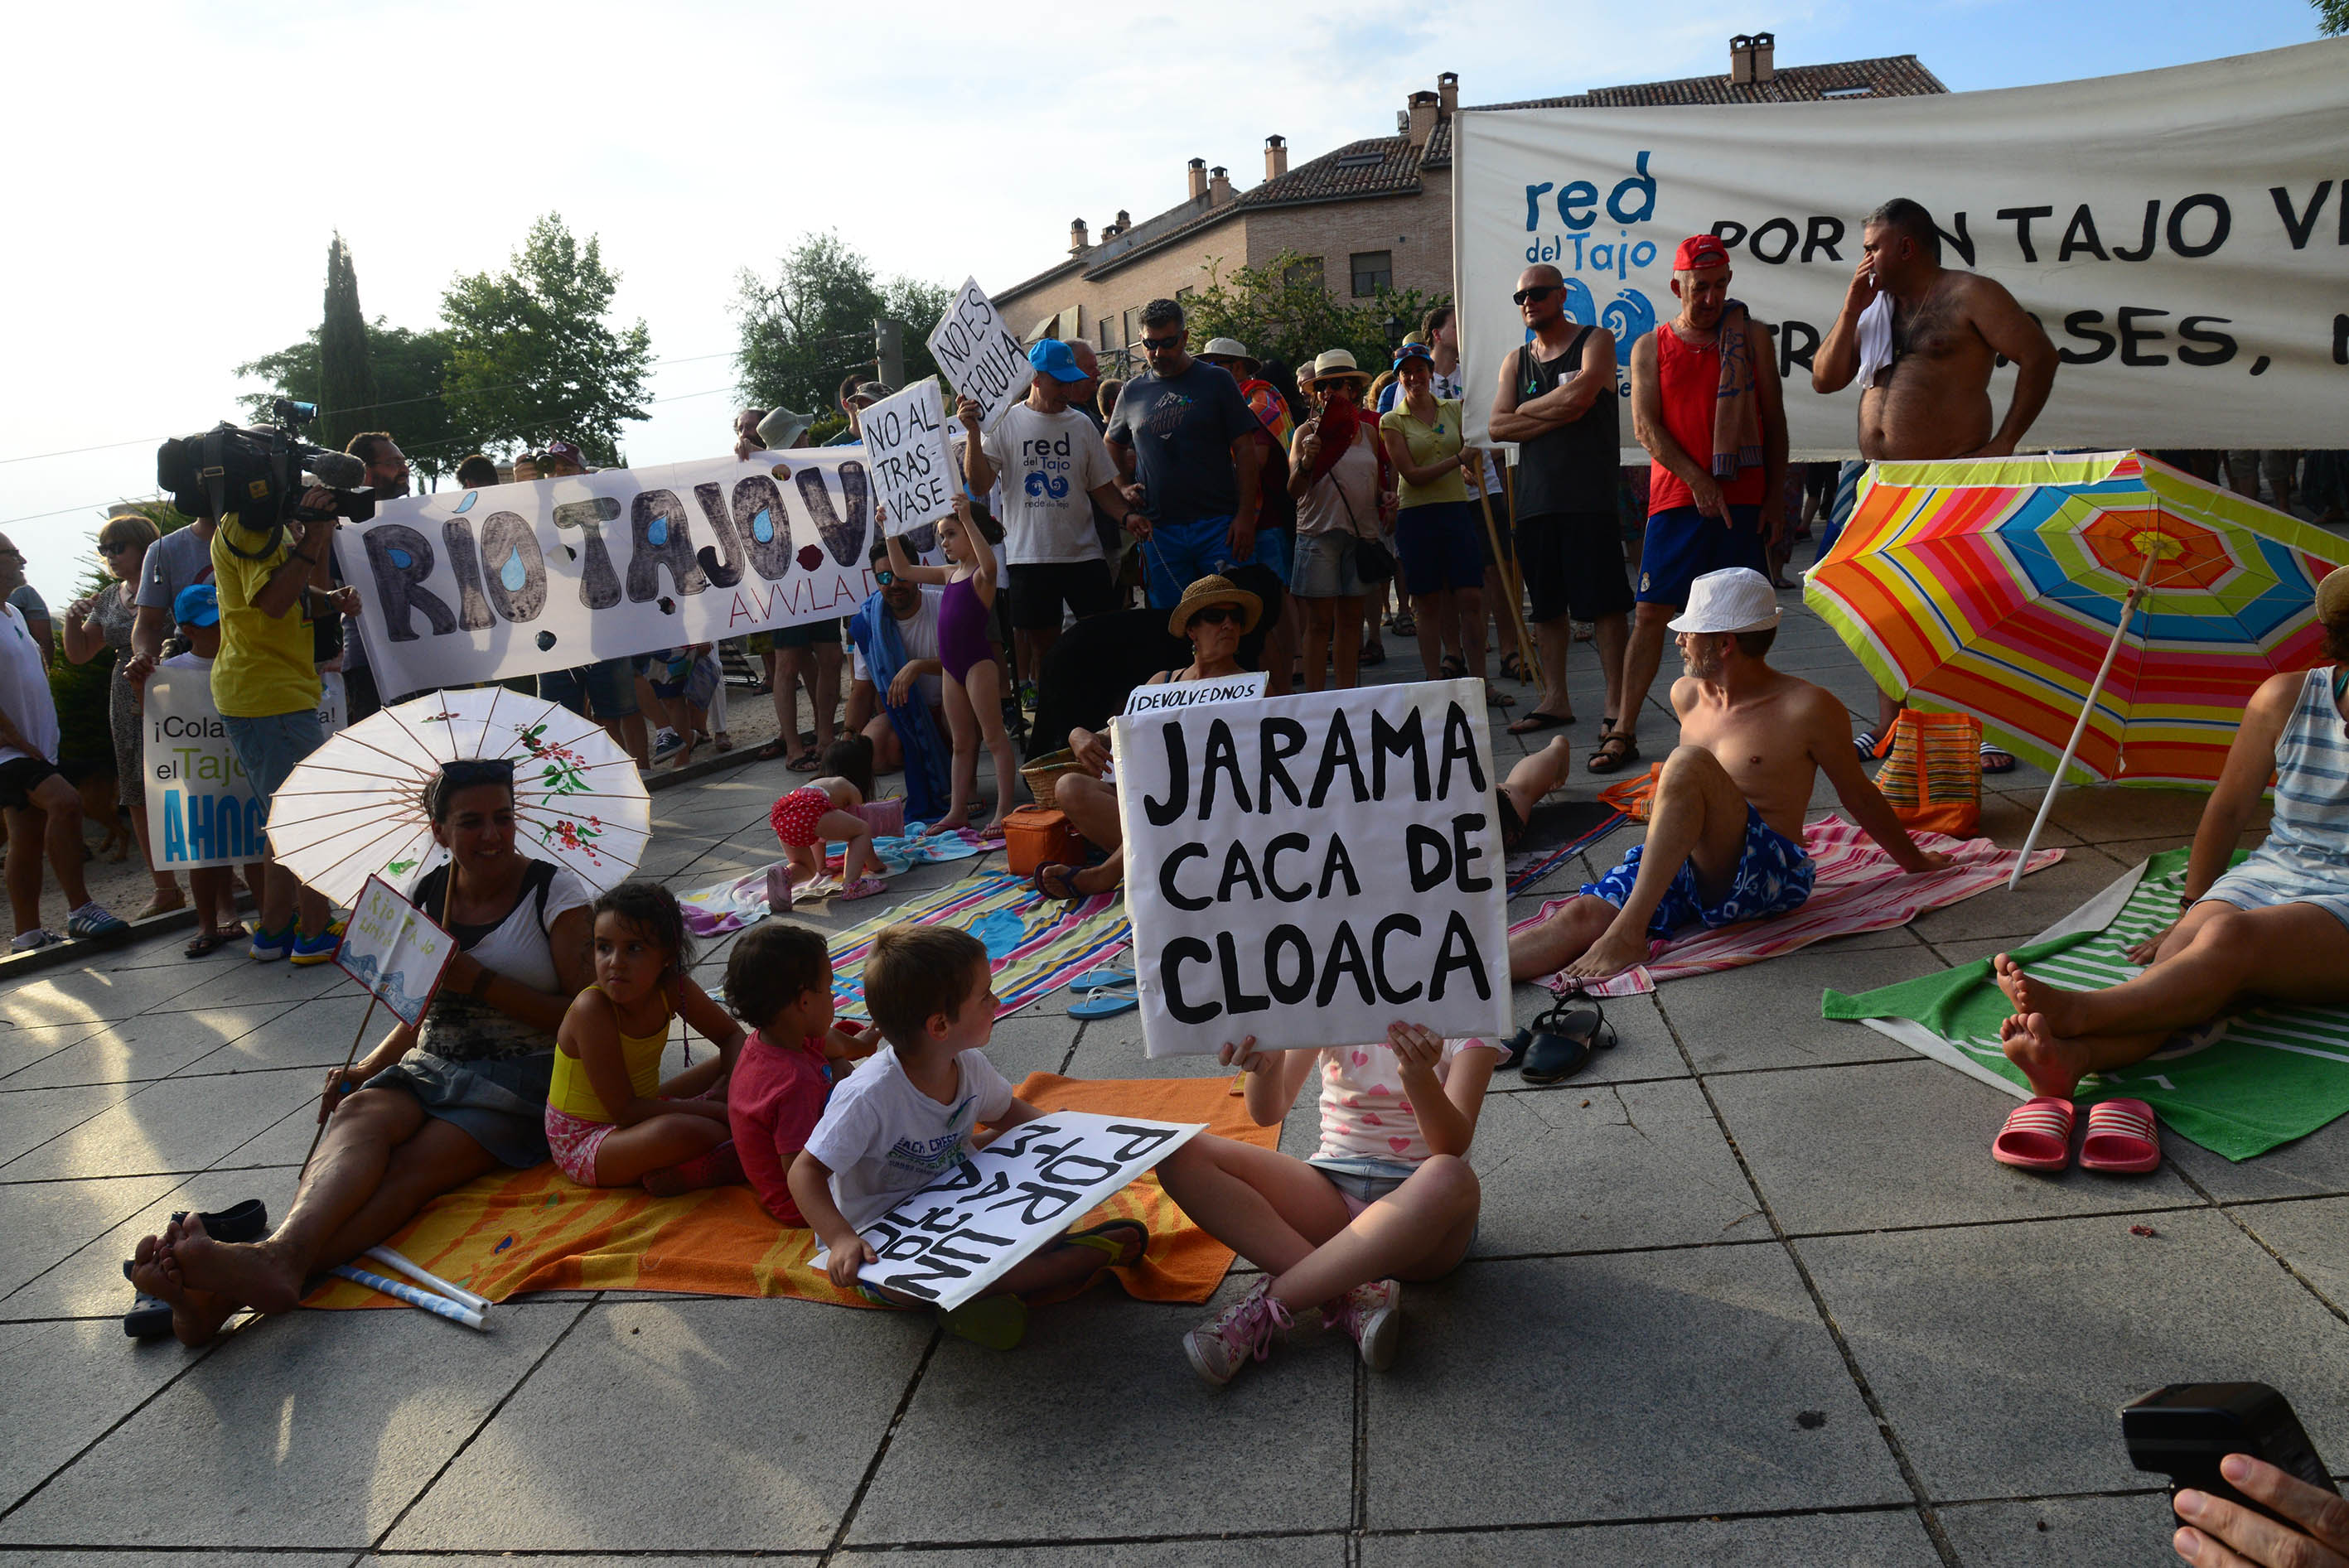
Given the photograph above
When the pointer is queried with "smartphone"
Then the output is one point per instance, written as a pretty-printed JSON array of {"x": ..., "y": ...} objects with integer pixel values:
[{"x": 2185, "y": 1429}]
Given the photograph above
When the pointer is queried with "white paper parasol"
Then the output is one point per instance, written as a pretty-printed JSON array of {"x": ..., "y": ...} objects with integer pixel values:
[{"x": 354, "y": 807}]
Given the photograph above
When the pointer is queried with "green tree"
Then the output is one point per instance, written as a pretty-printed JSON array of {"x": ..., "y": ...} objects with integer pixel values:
[
  {"x": 408, "y": 368},
  {"x": 346, "y": 383},
  {"x": 2331, "y": 16},
  {"x": 812, "y": 325},
  {"x": 532, "y": 356},
  {"x": 1282, "y": 310}
]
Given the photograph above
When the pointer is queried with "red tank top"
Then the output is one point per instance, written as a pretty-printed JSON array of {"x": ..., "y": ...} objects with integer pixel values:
[{"x": 1688, "y": 379}]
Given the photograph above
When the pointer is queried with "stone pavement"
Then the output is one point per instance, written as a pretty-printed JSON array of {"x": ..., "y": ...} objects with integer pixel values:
[{"x": 1751, "y": 1290}]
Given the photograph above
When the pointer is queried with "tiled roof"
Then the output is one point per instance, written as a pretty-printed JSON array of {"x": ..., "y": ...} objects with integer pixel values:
[{"x": 1897, "y": 76}]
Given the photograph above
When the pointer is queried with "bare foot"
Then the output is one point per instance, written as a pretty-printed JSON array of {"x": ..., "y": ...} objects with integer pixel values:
[
  {"x": 1614, "y": 952},
  {"x": 2060, "y": 1007},
  {"x": 196, "y": 1314},
  {"x": 249, "y": 1275},
  {"x": 685, "y": 754},
  {"x": 2054, "y": 1065},
  {"x": 1091, "y": 880},
  {"x": 721, "y": 1167},
  {"x": 993, "y": 829},
  {"x": 951, "y": 820}
]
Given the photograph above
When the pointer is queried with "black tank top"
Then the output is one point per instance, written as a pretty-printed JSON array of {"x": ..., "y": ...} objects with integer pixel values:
[{"x": 1572, "y": 468}]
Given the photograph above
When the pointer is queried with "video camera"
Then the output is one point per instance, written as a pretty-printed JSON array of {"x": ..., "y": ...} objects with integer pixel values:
[{"x": 261, "y": 473}]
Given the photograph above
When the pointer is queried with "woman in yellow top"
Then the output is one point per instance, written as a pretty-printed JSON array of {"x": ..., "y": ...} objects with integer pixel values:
[
  {"x": 610, "y": 1120},
  {"x": 1441, "y": 567}
]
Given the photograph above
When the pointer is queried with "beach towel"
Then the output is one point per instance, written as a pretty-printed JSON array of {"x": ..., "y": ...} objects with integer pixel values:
[
  {"x": 722, "y": 907},
  {"x": 1035, "y": 944},
  {"x": 1581, "y": 824},
  {"x": 2238, "y": 1086},
  {"x": 1858, "y": 889},
  {"x": 516, "y": 1232}
]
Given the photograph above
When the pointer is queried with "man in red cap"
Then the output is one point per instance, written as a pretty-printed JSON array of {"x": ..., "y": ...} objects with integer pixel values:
[{"x": 1706, "y": 403}]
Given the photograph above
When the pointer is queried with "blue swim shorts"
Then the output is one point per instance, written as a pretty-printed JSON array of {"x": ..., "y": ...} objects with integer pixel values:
[{"x": 1773, "y": 877}]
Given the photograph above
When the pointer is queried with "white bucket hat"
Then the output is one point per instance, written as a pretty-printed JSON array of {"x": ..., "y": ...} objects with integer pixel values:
[{"x": 1737, "y": 599}]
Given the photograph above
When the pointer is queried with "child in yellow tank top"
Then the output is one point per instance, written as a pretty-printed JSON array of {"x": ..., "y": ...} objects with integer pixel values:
[{"x": 610, "y": 1120}]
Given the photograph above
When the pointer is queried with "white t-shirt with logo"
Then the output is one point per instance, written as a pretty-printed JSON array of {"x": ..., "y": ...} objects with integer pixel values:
[
  {"x": 25, "y": 689},
  {"x": 882, "y": 1137},
  {"x": 1049, "y": 465}
]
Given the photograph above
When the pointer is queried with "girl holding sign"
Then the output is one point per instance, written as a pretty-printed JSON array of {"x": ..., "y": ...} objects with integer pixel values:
[
  {"x": 974, "y": 684},
  {"x": 1388, "y": 1196}
]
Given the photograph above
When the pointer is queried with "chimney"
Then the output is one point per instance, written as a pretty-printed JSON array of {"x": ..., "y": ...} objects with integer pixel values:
[
  {"x": 1275, "y": 157},
  {"x": 1741, "y": 61},
  {"x": 1198, "y": 178},
  {"x": 1077, "y": 240},
  {"x": 1765, "y": 52},
  {"x": 1447, "y": 93},
  {"x": 1422, "y": 124},
  {"x": 1219, "y": 186}
]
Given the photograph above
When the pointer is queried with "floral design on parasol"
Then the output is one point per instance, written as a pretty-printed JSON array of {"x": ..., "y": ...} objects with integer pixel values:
[{"x": 354, "y": 807}]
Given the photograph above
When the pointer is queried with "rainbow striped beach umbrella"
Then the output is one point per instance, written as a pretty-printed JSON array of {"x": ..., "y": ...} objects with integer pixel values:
[{"x": 2103, "y": 614}]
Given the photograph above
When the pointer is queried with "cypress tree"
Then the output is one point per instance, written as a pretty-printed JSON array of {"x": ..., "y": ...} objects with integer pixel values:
[{"x": 345, "y": 369}]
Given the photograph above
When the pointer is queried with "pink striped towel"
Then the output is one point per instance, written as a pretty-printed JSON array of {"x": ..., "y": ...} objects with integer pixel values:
[{"x": 1858, "y": 889}]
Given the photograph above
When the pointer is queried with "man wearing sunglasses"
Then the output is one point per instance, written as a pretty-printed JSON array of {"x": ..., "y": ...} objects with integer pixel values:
[{"x": 1185, "y": 430}]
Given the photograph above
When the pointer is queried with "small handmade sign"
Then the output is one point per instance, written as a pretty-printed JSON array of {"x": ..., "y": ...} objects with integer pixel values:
[
  {"x": 395, "y": 951},
  {"x": 1309, "y": 869},
  {"x": 199, "y": 801},
  {"x": 979, "y": 356},
  {"x": 1177, "y": 694},
  {"x": 963, "y": 1232},
  {"x": 913, "y": 476}
]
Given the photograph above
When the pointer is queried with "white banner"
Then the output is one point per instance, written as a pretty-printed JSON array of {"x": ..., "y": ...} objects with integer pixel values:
[
  {"x": 473, "y": 585},
  {"x": 913, "y": 476},
  {"x": 979, "y": 356},
  {"x": 1174, "y": 695},
  {"x": 2181, "y": 235},
  {"x": 199, "y": 806},
  {"x": 1307, "y": 869},
  {"x": 963, "y": 1232},
  {"x": 394, "y": 951}
]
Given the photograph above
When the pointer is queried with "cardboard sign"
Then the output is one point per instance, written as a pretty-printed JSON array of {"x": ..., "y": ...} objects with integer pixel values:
[
  {"x": 963, "y": 1232},
  {"x": 914, "y": 477},
  {"x": 462, "y": 586},
  {"x": 200, "y": 805},
  {"x": 1177, "y": 694},
  {"x": 1307, "y": 869},
  {"x": 979, "y": 356},
  {"x": 394, "y": 951}
]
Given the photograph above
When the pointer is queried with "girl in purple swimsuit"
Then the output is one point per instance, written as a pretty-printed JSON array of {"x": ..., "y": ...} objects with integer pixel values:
[{"x": 974, "y": 682}]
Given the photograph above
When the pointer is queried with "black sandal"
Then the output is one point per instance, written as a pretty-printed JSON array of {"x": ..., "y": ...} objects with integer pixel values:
[
  {"x": 1618, "y": 749},
  {"x": 1557, "y": 1045}
]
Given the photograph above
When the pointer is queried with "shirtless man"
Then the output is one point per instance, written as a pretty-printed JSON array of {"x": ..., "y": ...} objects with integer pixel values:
[
  {"x": 1724, "y": 834},
  {"x": 1929, "y": 398}
]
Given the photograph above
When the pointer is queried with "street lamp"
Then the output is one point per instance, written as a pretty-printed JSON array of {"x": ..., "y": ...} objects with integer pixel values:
[{"x": 1393, "y": 323}]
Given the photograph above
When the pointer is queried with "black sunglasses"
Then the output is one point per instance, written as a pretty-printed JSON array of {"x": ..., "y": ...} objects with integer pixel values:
[
  {"x": 115, "y": 549},
  {"x": 1535, "y": 294},
  {"x": 1161, "y": 345},
  {"x": 1217, "y": 616}
]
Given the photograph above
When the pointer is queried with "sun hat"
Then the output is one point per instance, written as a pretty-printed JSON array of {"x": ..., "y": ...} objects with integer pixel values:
[
  {"x": 1052, "y": 357},
  {"x": 1335, "y": 364},
  {"x": 1231, "y": 349},
  {"x": 781, "y": 428},
  {"x": 1734, "y": 599},
  {"x": 1409, "y": 351},
  {"x": 1208, "y": 592},
  {"x": 197, "y": 605},
  {"x": 2332, "y": 595}
]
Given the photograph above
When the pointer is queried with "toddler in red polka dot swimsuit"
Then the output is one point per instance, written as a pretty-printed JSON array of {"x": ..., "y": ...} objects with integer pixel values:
[{"x": 826, "y": 809}]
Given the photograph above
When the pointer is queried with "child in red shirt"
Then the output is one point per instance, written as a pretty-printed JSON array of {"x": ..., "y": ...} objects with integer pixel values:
[{"x": 779, "y": 981}]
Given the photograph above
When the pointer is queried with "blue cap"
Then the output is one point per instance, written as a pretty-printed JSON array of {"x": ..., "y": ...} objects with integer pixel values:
[
  {"x": 1412, "y": 351},
  {"x": 198, "y": 604},
  {"x": 1055, "y": 359}
]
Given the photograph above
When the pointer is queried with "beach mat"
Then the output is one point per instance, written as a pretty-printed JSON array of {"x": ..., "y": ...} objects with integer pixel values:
[
  {"x": 516, "y": 1232},
  {"x": 1858, "y": 889},
  {"x": 1559, "y": 831},
  {"x": 2239, "y": 1088},
  {"x": 1035, "y": 944}
]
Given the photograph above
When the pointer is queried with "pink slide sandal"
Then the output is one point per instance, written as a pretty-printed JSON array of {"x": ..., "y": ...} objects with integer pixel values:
[
  {"x": 2037, "y": 1135},
  {"x": 2122, "y": 1139}
]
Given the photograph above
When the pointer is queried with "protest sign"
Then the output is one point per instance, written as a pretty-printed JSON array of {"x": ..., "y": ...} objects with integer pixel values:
[
  {"x": 979, "y": 356},
  {"x": 1309, "y": 869},
  {"x": 1176, "y": 695},
  {"x": 2179, "y": 233},
  {"x": 509, "y": 580},
  {"x": 914, "y": 477},
  {"x": 394, "y": 951},
  {"x": 965, "y": 1231},
  {"x": 200, "y": 805}
]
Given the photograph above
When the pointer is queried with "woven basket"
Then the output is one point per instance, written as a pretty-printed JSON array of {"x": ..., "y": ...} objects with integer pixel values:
[{"x": 1045, "y": 772}]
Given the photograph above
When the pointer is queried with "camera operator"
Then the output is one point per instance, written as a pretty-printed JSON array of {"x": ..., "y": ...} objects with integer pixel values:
[{"x": 267, "y": 687}]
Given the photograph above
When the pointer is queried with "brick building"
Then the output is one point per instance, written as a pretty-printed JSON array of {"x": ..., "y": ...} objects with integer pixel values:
[{"x": 1370, "y": 212}]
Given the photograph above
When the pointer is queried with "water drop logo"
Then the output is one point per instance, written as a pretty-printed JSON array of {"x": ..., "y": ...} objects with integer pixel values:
[
  {"x": 467, "y": 504},
  {"x": 399, "y": 558},
  {"x": 657, "y": 531},
  {"x": 512, "y": 573},
  {"x": 762, "y": 527}
]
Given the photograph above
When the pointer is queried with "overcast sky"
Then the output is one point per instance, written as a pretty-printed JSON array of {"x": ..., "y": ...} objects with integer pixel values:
[{"x": 176, "y": 171}]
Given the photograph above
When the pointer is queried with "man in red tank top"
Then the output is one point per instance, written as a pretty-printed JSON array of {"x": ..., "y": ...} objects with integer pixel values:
[{"x": 1720, "y": 446}]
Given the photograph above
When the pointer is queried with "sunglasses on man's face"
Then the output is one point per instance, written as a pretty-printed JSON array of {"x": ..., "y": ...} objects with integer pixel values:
[
  {"x": 1217, "y": 615},
  {"x": 1162, "y": 345},
  {"x": 1535, "y": 294},
  {"x": 886, "y": 578}
]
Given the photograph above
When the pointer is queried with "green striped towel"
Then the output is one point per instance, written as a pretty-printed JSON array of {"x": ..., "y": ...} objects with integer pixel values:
[{"x": 2239, "y": 1086}]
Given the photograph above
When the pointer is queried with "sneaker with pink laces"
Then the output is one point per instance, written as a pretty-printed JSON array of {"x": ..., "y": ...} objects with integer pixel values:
[
  {"x": 1371, "y": 1316},
  {"x": 1218, "y": 1349}
]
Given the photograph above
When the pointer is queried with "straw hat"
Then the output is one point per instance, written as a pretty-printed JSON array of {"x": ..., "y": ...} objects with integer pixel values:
[
  {"x": 2333, "y": 595},
  {"x": 1231, "y": 349},
  {"x": 1212, "y": 590},
  {"x": 1336, "y": 363}
]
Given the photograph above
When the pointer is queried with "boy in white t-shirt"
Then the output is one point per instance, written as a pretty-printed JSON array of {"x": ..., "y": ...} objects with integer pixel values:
[{"x": 905, "y": 1117}]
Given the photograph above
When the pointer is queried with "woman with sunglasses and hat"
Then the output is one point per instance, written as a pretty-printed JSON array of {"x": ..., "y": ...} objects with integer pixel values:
[
  {"x": 1338, "y": 474},
  {"x": 1442, "y": 563},
  {"x": 103, "y": 620},
  {"x": 1214, "y": 615},
  {"x": 434, "y": 1105}
]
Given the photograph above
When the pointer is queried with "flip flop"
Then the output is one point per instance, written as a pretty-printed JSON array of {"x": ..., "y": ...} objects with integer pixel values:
[
  {"x": 1105, "y": 1002},
  {"x": 1093, "y": 978},
  {"x": 1996, "y": 758},
  {"x": 1067, "y": 892},
  {"x": 863, "y": 887},
  {"x": 805, "y": 762},
  {"x": 2123, "y": 1138},
  {"x": 768, "y": 752},
  {"x": 2038, "y": 1135},
  {"x": 209, "y": 942},
  {"x": 1540, "y": 719}
]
